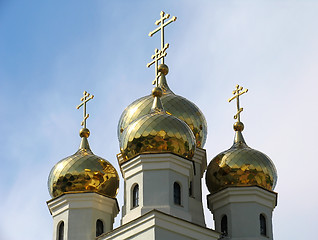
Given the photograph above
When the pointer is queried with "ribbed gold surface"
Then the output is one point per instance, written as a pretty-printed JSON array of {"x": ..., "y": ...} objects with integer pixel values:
[
  {"x": 83, "y": 171},
  {"x": 174, "y": 105},
  {"x": 240, "y": 166},
  {"x": 156, "y": 133}
]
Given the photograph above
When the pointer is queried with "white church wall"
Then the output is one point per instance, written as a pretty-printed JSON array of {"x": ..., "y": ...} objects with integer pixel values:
[
  {"x": 243, "y": 206},
  {"x": 155, "y": 174},
  {"x": 80, "y": 211}
]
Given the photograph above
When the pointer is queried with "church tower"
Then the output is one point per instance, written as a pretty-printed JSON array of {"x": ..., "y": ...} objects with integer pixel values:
[
  {"x": 161, "y": 138},
  {"x": 241, "y": 182},
  {"x": 83, "y": 188},
  {"x": 162, "y": 161}
]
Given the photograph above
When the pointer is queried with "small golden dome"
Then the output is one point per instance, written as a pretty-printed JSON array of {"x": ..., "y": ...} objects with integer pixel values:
[
  {"x": 83, "y": 172},
  {"x": 240, "y": 166},
  {"x": 157, "y": 132},
  {"x": 175, "y": 105}
]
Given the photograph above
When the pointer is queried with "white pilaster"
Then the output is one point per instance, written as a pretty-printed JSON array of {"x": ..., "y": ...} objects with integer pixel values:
[
  {"x": 243, "y": 207},
  {"x": 79, "y": 212},
  {"x": 195, "y": 200},
  {"x": 200, "y": 158}
]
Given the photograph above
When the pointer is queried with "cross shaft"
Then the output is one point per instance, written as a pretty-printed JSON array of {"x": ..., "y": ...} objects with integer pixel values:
[
  {"x": 237, "y": 93},
  {"x": 84, "y": 100},
  {"x": 163, "y": 24},
  {"x": 159, "y": 54}
]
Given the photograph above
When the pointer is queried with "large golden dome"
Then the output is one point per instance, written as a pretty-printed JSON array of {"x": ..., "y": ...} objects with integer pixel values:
[
  {"x": 175, "y": 105},
  {"x": 83, "y": 172},
  {"x": 157, "y": 132},
  {"x": 240, "y": 166}
]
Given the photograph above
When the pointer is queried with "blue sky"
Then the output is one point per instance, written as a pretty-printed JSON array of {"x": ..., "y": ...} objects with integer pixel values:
[{"x": 51, "y": 51}]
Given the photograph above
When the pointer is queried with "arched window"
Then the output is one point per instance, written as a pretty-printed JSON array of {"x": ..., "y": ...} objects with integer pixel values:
[
  {"x": 224, "y": 230},
  {"x": 176, "y": 193},
  {"x": 190, "y": 189},
  {"x": 262, "y": 221},
  {"x": 99, "y": 227},
  {"x": 135, "y": 196},
  {"x": 61, "y": 231}
]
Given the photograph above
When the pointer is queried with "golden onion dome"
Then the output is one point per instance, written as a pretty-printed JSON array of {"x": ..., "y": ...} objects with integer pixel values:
[
  {"x": 175, "y": 105},
  {"x": 240, "y": 166},
  {"x": 157, "y": 132},
  {"x": 83, "y": 172}
]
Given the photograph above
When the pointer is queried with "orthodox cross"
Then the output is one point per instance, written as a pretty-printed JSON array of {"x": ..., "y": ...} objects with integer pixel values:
[
  {"x": 161, "y": 21},
  {"x": 237, "y": 93},
  {"x": 159, "y": 54},
  {"x": 84, "y": 100}
]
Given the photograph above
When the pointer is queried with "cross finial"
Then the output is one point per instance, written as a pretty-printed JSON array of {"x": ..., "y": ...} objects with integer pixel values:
[
  {"x": 163, "y": 24},
  {"x": 86, "y": 97},
  {"x": 159, "y": 54},
  {"x": 237, "y": 93}
]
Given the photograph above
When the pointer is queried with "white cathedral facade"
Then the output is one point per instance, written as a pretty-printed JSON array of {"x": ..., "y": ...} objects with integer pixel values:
[{"x": 162, "y": 161}]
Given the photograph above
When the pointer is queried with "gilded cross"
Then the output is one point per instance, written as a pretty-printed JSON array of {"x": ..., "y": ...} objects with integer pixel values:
[
  {"x": 163, "y": 24},
  {"x": 84, "y": 100},
  {"x": 237, "y": 93},
  {"x": 159, "y": 54}
]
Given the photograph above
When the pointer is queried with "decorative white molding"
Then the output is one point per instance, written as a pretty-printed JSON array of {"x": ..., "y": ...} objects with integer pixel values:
[
  {"x": 252, "y": 194},
  {"x": 159, "y": 161},
  {"x": 83, "y": 200},
  {"x": 154, "y": 221}
]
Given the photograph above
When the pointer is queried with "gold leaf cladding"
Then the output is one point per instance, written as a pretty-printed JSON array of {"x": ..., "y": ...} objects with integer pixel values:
[
  {"x": 241, "y": 166},
  {"x": 85, "y": 172},
  {"x": 159, "y": 133},
  {"x": 176, "y": 105}
]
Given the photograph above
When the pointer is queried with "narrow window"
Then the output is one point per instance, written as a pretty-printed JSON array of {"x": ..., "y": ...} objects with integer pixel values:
[
  {"x": 99, "y": 227},
  {"x": 262, "y": 220},
  {"x": 190, "y": 190},
  {"x": 135, "y": 196},
  {"x": 61, "y": 231},
  {"x": 224, "y": 230},
  {"x": 177, "y": 193}
]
